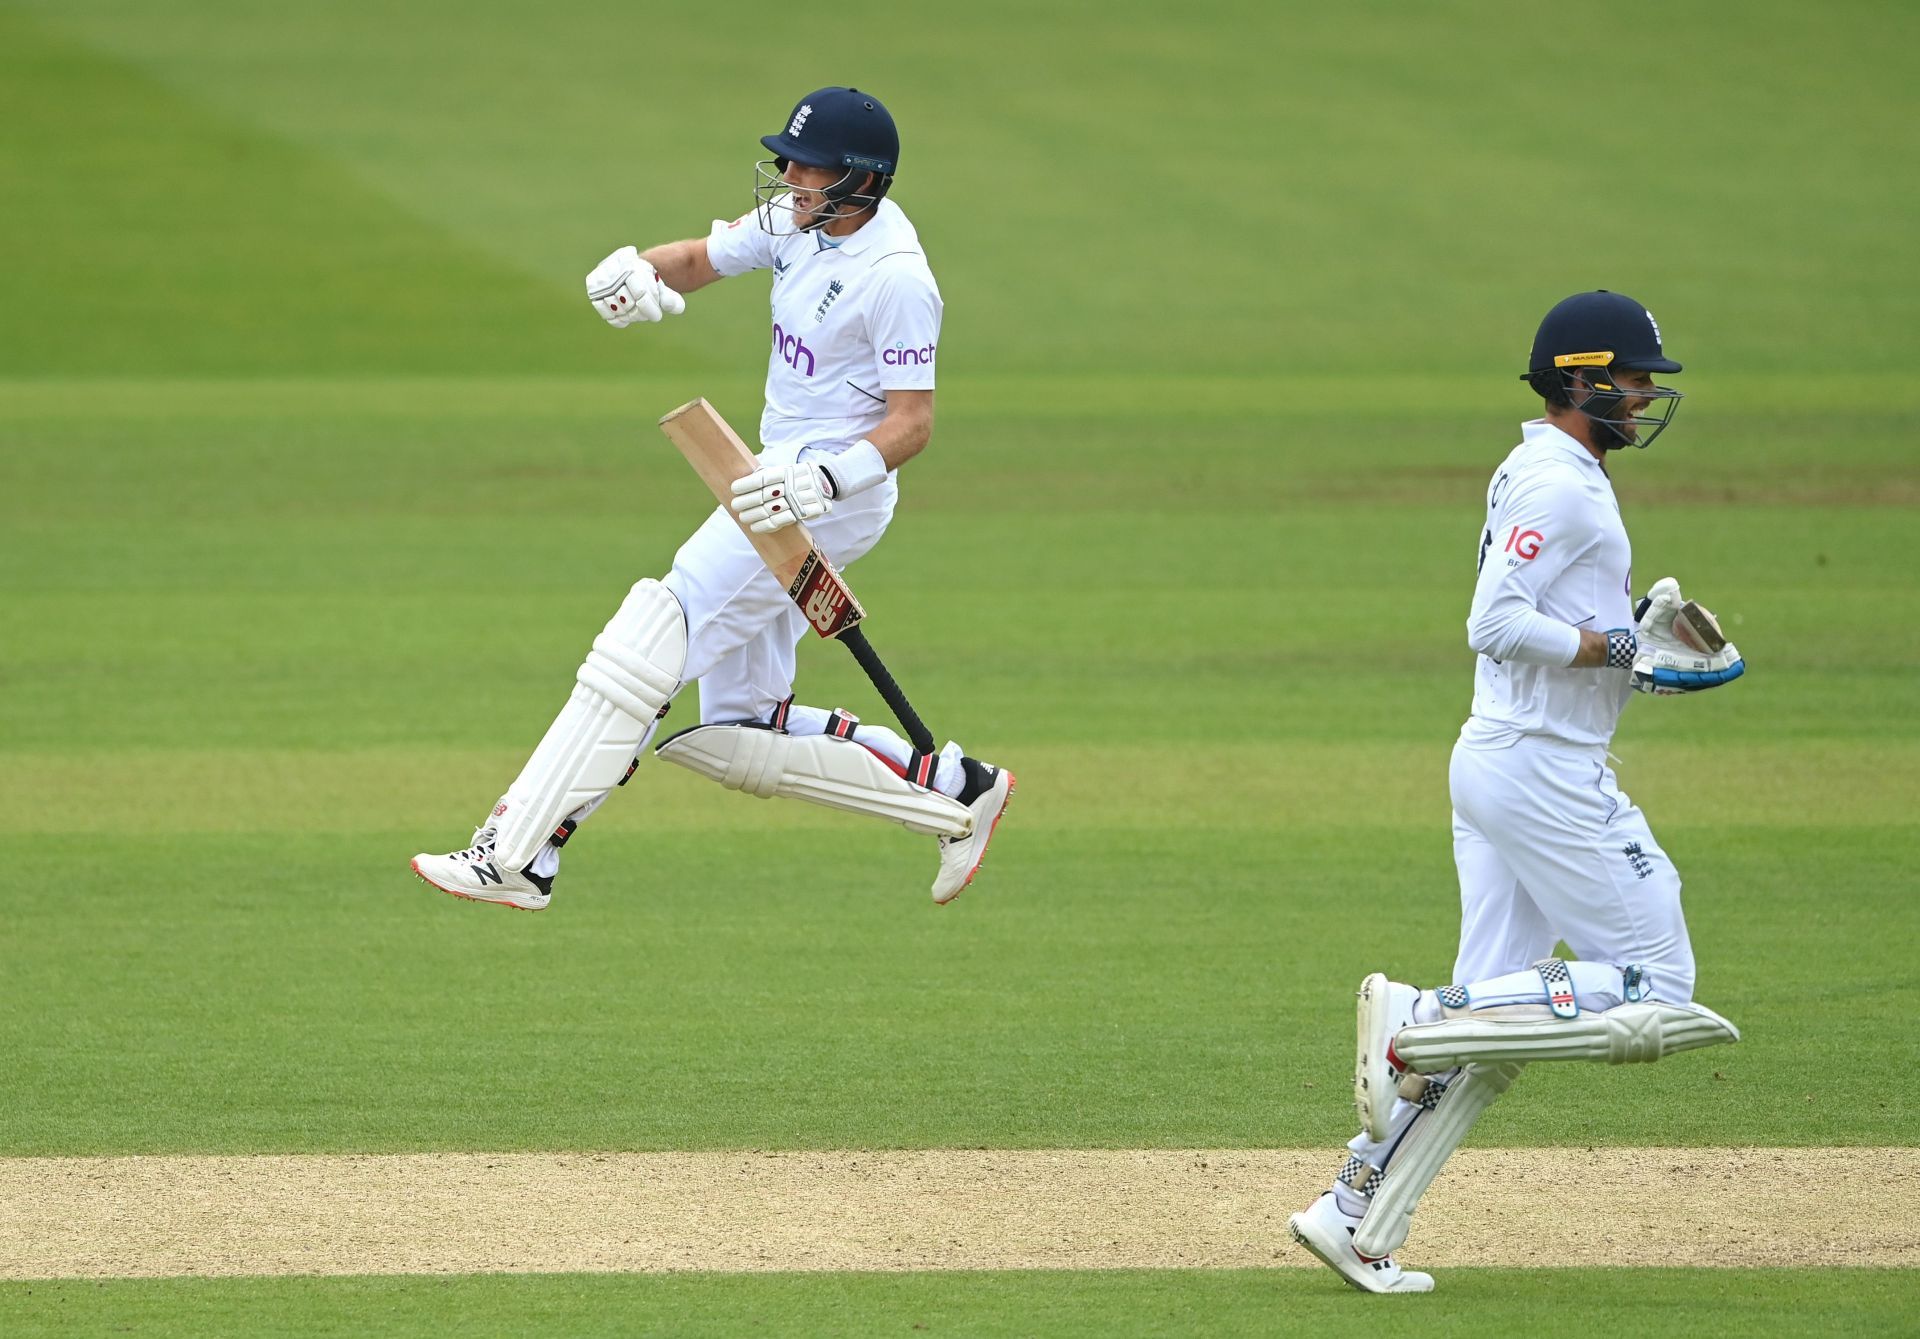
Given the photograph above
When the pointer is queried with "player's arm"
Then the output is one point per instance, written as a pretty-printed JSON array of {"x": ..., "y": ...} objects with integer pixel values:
[
  {"x": 904, "y": 329},
  {"x": 1593, "y": 650},
  {"x": 684, "y": 266},
  {"x": 905, "y": 431},
  {"x": 1540, "y": 529},
  {"x": 632, "y": 285}
]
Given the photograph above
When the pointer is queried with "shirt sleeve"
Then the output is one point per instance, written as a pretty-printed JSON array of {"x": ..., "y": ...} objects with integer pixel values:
[
  {"x": 737, "y": 246},
  {"x": 904, "y": 326},
  {"x": 1532, "y": 537}
]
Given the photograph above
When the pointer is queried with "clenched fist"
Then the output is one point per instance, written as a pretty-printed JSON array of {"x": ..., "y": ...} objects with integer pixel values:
[{"x": 623, "y": 288}]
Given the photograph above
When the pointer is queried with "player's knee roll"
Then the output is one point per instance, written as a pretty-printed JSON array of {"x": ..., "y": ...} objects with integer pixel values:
[{"x": 637, "y": 659}]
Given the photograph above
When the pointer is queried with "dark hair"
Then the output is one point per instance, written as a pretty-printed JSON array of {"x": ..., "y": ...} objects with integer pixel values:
[{"x": 1550, "y": 384}]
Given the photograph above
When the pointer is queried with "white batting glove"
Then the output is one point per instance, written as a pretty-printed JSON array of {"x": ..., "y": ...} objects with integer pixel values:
[
  {"x": 623, "y": 288},
  {"x": 772, "y": 499},
  {"x": 1654, "y": 617},
  {"x": 1668, "y": 662}
]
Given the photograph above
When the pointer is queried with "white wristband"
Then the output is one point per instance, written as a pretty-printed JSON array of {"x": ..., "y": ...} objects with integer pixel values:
[{"x": 856, "y": 469}]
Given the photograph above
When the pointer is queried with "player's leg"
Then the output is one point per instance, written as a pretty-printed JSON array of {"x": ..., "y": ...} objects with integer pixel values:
[
  {"x": 1587, "y": 859},
  {"x": 1499, "y": 926},
  {"x": 1557, "y": 822},
  {"x": 628, "y": 677},
  {"x": 830, "y": 758},
  {"x": 1627, "y": 908},
  {"x": 754, "y": 738},
  {"x": 1459, "y": 1071},
  {"x": 637, "y": 664},
  {"x": 1502, "y": 928}
]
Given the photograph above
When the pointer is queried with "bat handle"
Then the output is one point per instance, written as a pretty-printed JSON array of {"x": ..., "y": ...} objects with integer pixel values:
[{"x": 856, "y": 641}]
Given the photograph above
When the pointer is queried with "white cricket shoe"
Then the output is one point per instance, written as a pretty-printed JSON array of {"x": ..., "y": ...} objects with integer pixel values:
[
  {"x": 476, "y": 876},
  {"x": 1384, "y": 1008},
  {"x": 961, "y": 857},
  {"x": 1328, "y": 1233}
]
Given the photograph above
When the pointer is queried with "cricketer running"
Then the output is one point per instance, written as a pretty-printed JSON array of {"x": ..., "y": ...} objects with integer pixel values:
[
  {"x": 1546, "y": 845},
  {"x": 849, "y": 400}
]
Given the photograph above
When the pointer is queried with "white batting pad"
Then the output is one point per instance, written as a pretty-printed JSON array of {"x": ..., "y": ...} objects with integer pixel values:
[
  {"x": 632, "y": 671},
  {"x": 818, "y": 768},
  {"x": 1623, "y": 1035},
  {"x": 1426, "y": 1148}
]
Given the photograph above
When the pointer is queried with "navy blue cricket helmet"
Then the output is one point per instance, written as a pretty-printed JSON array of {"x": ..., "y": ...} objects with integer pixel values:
[
  {"x": 1587, "y": 324},
  {"x": 1580, "y": 341},
  {"x": 839, "y": 127}
]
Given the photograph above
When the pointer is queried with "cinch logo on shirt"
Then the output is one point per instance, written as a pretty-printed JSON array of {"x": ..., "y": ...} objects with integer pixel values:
[
  {"x": 792, "y": 349},
  {"x": 901, "y": 356}
]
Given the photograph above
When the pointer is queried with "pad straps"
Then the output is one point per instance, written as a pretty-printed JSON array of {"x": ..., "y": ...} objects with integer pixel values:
[
  {"x": 920, "y": 768},
  {"x": 1557, "y": 981}
]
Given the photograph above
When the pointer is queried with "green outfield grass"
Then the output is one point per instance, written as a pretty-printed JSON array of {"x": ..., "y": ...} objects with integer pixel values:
[
  {"x": 317, "y": 477},
  {"x": 1231, "y": 720},
  {"x": 1477, "y": 1302}
]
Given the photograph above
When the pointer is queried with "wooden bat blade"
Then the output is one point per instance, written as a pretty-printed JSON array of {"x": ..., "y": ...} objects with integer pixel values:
[
  {"x": 1698, "y": 628},
  {"x": 720, "y": 458}
]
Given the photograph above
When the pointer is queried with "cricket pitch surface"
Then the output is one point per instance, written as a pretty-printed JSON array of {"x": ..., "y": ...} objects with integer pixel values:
[{"x": 124, "y": 1217}]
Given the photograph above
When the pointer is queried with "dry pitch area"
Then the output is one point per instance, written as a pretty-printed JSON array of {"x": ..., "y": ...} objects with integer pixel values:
[{"x": 929, "y": 1210}]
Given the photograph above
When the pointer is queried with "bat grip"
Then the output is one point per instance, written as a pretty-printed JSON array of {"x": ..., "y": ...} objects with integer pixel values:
[{"x": 856, "y": 641}]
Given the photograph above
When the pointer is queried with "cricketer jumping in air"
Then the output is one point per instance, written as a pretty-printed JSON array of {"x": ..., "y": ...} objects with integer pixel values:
[
  {"x": 1546, "y": 845},
  {"x": 849, "y": 399}
]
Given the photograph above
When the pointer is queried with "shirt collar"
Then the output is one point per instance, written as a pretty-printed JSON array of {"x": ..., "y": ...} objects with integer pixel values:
[
  {"x": 1537, "y": 431},
  {"x": 859, "y": 240}
]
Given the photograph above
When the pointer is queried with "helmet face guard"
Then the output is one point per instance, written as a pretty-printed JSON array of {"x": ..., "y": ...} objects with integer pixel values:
[
  {"x": 1613, "y": 429},
  {"x": 773, "y": 197},
  {"x": 838, "y": 130}
]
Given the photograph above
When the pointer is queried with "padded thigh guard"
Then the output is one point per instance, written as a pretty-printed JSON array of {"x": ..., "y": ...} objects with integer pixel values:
[
  {"x": 1623, "y": 1035},
  {"x": 822, "y": 769},
  {"x": 632, "y": 672}
]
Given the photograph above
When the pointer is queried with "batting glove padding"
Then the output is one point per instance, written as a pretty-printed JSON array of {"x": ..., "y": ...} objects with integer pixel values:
[
  {"x": 1665, "y": 662},
  {"x": 623, "y": 288},
  {"x": 1665, "y": 672},
  {"x": 771, "y": 499}
]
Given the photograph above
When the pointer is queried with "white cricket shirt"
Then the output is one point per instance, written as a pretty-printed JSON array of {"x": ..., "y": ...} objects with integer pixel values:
[
  {"x": 1554, "y": 559},
  {"x": 853, "y": 318}
]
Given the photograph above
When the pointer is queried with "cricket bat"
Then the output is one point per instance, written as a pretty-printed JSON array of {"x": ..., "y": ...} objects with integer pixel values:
[{"x": 720, "y": 458}]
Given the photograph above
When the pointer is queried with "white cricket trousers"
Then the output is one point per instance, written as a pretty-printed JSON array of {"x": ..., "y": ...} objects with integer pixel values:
[
  {"x": 743, "y": 633},
  {"x": 1548, "y": 848}
]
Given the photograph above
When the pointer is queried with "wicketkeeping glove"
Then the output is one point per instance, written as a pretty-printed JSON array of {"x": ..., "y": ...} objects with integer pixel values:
[
  {"x": 623, "y": 288},
  {"x": 770, "y": 499},
  {"x": 1679, "y": 647}
]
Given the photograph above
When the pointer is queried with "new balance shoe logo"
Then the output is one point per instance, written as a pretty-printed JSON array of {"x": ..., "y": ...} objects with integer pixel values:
[{"x": 488, "y": 871}]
